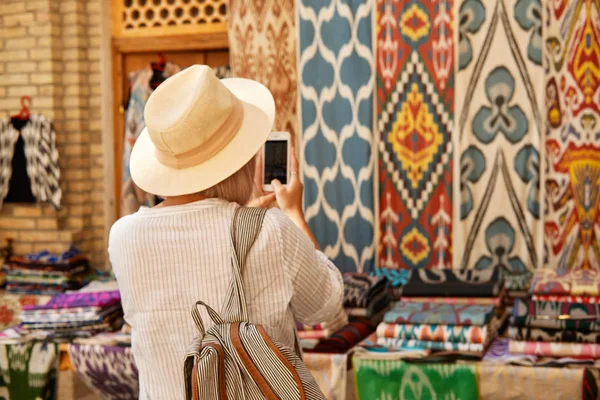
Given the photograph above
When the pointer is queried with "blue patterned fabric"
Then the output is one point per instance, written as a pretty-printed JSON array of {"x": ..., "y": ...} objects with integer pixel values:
[{"x": 336, "y": 75}]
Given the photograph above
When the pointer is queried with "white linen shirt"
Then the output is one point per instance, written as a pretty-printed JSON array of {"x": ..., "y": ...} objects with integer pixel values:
[{"x": 166, "y": 259}]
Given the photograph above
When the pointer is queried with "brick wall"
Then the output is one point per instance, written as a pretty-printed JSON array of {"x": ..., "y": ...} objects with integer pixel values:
[{"x": 50, "y": 50}]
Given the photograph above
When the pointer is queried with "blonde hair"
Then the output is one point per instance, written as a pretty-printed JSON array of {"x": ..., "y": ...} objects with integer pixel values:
[{"x": 237, "y": 188}]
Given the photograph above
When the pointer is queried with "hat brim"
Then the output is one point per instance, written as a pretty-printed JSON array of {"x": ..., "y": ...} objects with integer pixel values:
[{"x": 259, "y": 115}]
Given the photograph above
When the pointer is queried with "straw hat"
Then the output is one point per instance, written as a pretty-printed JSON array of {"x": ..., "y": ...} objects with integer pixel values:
[{"x": 199, "y": 131}]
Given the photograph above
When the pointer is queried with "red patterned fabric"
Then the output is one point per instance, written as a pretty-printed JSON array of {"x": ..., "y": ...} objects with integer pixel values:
[{"x": 415, "y": 105}]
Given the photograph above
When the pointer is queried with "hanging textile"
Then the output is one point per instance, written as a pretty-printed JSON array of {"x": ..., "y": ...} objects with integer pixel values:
[
  {"x": 336, "y": 69},
  {"x": 572, "y": 220},
  {"x": 108, "y": 370},
  {"x": 395, "y": 379},
  {"x": 499, "y": 86},
  {"x": 415, "y": 106},
  {"x": 41, "y": 156},
  {"x": 142, "y": 84},
  {"x": 262, "y": 47},
  {"x": 28, "y": 371}
]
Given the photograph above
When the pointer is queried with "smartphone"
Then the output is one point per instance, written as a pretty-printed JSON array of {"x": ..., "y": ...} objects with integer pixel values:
[{"x": 276, "y": 159}]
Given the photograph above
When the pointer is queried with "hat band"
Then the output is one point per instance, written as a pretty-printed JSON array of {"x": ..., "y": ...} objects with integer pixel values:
[{"x": 217, "y": 141}]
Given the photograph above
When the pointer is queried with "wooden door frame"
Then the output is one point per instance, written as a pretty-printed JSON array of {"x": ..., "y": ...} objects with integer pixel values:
[{"x": 121, "y": 47}]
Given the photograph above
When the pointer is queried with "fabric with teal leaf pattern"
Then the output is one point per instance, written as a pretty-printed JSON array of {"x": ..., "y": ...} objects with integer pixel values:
[{"x": 499, "y": 111}]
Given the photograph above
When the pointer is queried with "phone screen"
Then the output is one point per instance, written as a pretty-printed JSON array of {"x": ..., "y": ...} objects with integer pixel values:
[{"x": 275, "y": 161}]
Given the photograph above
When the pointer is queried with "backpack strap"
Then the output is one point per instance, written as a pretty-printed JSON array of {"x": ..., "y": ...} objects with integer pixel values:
[{"x": 245, "y": 227}]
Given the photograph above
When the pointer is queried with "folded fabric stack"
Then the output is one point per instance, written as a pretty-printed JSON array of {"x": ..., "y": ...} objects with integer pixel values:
[
  {"x": 366, "y": 296},
  {"x": 323, "y": 330},
  {"x": 70, "y": 315},
  {"x": 445, "y": 311},
  {"x": 46, "y": 274},
  {"x": 5, "y": 253},
  {"x": 344, "y": 339},
  {"x": 562, "y": 320}
]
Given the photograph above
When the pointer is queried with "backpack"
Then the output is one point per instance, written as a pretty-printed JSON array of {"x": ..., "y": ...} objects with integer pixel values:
[{"x": 236, "y": 359}]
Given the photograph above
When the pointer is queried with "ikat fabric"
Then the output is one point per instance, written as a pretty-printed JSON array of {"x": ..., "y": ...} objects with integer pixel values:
[
  {"x": 336, "y": 84},
  {"x": 395, "y": 343},
  {"x": 547, "y": 349},
  {"x": 395, "y": 379},
  {"x": 483, "y": 301},
  {"x": 499, "y": 101},
  {"x": 361, "y": 290},
  {"x": 434, "y": 333},
  {"x": 414, "y": 109},
  {"x": 553, "y": 282},
  {"x": 500, "y": 382},
  {"x": 444, "y": 314},
  {"x": 109, "y": 370},
  {"x": 28, "y": 371},
  {"x": 572, "y": 162},
  {"x": 330, "y": 373},
  {"x": 567, "y": 299},
  {"x": 132, "y": 197},
  {"x": 447, "y": 282},
  {"x": 552, "y": 335},
  {"x": 262, "y": 47},
  {"x": 528, "y": 309}
]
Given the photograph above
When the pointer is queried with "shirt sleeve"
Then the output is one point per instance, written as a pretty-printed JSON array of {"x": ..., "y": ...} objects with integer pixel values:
[
  {"x": 316, "y": 284},
  {"x": 116, "y": 241}
]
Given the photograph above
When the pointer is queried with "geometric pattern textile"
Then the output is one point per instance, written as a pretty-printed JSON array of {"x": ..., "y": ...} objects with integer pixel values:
[
  {"x": 498, "y": 99},
  {"x": 395, "y": 379},
  {"x": 262, "y": 47},
  {"x": 414, "y": 108},
  {"x": 572, "y": 89},
  {"x": 336, "y": 81}
]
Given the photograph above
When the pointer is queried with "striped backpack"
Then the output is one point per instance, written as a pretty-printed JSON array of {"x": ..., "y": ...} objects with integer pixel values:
[{"x": 236, "y": 359}]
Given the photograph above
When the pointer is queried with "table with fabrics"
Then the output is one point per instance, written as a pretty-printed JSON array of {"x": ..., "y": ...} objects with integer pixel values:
[{"x": 438, "y": 341}]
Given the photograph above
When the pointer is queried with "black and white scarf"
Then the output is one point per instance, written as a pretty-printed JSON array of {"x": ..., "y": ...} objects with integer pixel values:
[{"x": 41, "y": 156}]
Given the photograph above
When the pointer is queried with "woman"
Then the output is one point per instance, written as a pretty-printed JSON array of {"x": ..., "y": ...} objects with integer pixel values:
[{"x": 198, "y": 152}]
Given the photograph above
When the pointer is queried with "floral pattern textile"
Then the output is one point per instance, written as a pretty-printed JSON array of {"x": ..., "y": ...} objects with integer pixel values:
[
  {"x": 262, "y": 47},
  {"x": 572, "y": 162},
  {"x": 109, "y": 370},
  {"x": 10, "y": 307}
]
